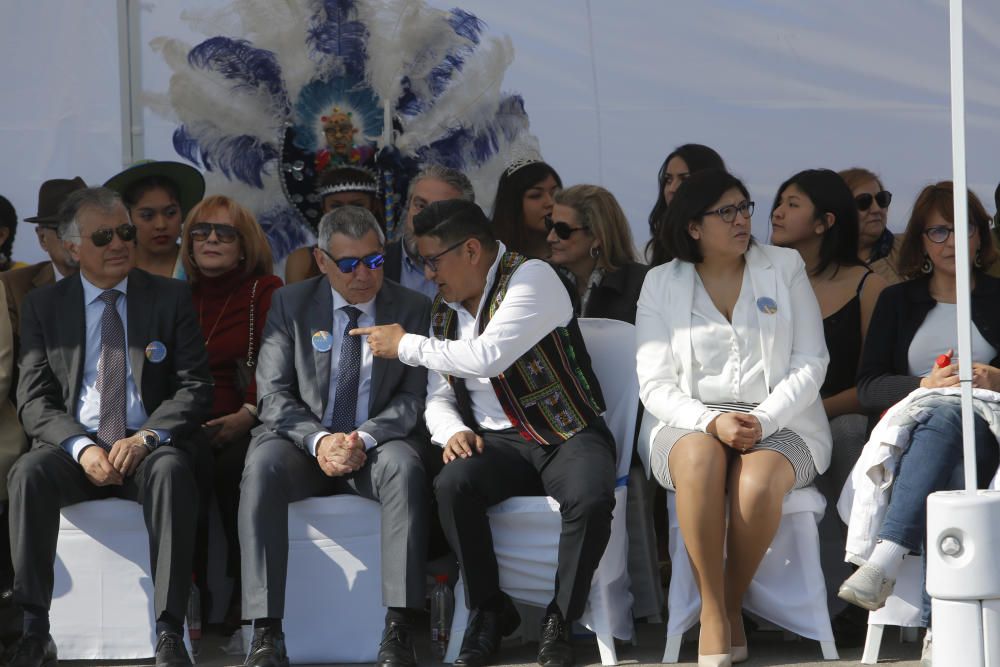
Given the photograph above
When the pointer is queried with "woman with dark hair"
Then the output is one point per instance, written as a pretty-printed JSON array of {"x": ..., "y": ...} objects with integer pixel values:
[
  {"x": 522, "y": 205},
  {"x": 877, "y": 246},
  {"x": 815, "y": 213},
  {"x": 679, "y": 165},
  {"x": 158, "y": 195},
  {"x": 591, "y": 244},
  {"x": 730, "y": 361},
  {"x": 228, "y": 261},
  {"x": 911, "y": 345},
  {"x": 8, "y": 229}
]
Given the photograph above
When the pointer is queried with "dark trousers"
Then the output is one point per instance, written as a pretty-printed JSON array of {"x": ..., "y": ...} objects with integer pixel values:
[
  {"x": 46, "y": 479},
  {"x": 277, "y": 473},
  {"x": 579, "y": 474}
]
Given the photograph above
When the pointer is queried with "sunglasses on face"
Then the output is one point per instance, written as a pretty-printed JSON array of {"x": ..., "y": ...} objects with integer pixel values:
[
  {"x": 728, "y": 213},
  {"x": 562, "y": 229},
  {"x": 102, "y": 237},
  {"x": 348, "y": 264},
  {"x": 200, "y": 231},
  {"x": 882, "y": 197},
  {"x": 432, "y": 261},
  {"x": 940, "y": 234}
]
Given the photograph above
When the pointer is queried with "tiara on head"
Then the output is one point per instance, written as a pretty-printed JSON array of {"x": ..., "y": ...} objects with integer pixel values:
[
  {"x": 347, "y": 186},
  {"x": 521, "y": 156}
]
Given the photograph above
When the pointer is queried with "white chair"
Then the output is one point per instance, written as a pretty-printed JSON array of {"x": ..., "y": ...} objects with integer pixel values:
[
  {"x": 102, "y": 602},
  {"x": 333, "y": 611},
  {"x": 901, "y": 609},
  {"x": 526, "y": 528},
  {"x": 788, "y": 588}
]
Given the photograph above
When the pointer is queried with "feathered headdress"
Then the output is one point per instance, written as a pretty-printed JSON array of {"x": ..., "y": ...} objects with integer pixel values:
[{"x": 280, "y": 92}]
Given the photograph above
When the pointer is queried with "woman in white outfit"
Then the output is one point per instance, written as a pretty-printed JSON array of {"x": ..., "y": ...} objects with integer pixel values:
[{"x": 730, "y": 360}]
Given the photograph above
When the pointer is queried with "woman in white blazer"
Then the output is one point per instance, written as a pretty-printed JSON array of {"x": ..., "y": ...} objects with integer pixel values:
[{"x": 730, "y": 360}]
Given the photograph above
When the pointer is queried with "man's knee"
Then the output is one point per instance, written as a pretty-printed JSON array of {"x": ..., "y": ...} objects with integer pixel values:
[
  {"x": 32, "y": 472},
  {"x": 453, "y": 482},
  {"x": 398, "y": 466},
  {"x": 264, "y": 470},
  {"x": 589, "y": 505}
]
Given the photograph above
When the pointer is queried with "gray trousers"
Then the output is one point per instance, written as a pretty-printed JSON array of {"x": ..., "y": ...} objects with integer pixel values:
[
  {"x": 46, "y": 479},
  {"x": 277, "y": 473}
]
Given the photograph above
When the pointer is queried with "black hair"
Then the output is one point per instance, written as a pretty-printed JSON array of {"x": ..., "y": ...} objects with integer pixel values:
[
  {"x": 508, "y": 205},
  {"x": 134, "y": 192},
  {"x": 829, "y": 193},
  {"x": 8, "y": 220},
  {"x": 697, "y": 157},
  {"x": 454, "y": 220},
  {"x": 692, "y": 199}
]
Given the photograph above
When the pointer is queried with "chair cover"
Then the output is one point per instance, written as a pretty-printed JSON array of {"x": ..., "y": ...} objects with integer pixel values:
[{"x": 526, "y": 528}]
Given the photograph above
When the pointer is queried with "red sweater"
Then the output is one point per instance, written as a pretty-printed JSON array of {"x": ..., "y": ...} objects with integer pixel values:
[{"x": 223, "y": 307}]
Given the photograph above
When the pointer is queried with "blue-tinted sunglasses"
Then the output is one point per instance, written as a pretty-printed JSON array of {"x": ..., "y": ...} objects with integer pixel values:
[{"x": 348, "y": 264}]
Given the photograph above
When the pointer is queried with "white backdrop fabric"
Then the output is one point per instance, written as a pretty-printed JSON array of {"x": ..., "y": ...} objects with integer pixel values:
[{"x": 611, "y": 87}]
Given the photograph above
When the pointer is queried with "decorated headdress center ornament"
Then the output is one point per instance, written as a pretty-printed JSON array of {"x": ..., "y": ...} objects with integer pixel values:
[{"x": 385, "y": 85}]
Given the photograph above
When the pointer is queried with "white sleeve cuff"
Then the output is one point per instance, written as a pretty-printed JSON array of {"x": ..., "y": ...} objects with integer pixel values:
[
  {"x": 443, "y": 435},
  {"x": 313, "y": 439},
  {"x": 74, "y": 446},
  {"x": 368, "y": 440},
  {"x": 767, "y": 425},
  {"x": 409, "y": 349},
  {"x": 705, "y": 419}
]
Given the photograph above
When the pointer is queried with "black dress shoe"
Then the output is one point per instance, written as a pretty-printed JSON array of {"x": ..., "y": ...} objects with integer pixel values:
[
  {"x": 170, "y": 650},
  {"x": 396, "y": 649},
  {"x": 554, "y": 647},
  {"x": 35, "y": 651},
  {"x": 267, "y": 649},
  {"x": 486, "y": 629}
]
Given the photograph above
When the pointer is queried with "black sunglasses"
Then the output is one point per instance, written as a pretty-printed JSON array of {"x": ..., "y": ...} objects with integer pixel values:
[
  {"x": 348, "y": 264},
  {"x": 864, "y": 201},
  {"x": 563, "y": 230},
  {"x": 200, "y": 231},
  {"x": 102, "y": 237}
]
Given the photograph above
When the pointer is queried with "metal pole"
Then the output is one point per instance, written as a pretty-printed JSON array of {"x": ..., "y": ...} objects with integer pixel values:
[{"x": 130, "y": 80}]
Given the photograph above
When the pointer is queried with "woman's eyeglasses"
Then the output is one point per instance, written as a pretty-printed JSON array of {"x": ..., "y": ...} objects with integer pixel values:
[
  {"x": 200, "y": 231},
  {"x": 102, "y": 237},
  {"x": 348, "y": 264},
  {"x": 562, "y": 229},
  {"x": 940, "y": 233},
  {"x": 728, "y": 213},
  {"x": 882, "y": 197}
]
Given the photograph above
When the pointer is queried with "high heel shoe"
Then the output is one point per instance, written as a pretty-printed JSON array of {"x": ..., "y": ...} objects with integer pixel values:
[
  {"x": 740, "y": 654},
  {"x": 715, "y": 660}
]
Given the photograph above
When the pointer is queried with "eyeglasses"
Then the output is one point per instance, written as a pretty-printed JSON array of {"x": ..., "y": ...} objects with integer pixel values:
[
  {"x": 348, "y": 264},
  {"x": 200, "y": 231},
  {"x": 728, "y": 213},
  {"x": 864, "y": 201},
  {"x": 563, "y": 230},
  {"x": 432, "y": 262},
  {"x": 940, "y": 234},
  {"x": 102, "y": 237}
]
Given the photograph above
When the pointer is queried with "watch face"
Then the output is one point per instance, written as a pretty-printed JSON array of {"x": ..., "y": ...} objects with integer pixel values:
[{"x": 149, "y": 440}]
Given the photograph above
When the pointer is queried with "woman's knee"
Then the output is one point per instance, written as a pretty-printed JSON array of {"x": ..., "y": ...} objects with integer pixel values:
[
  {"x": 764, "y": 479},
  {"x": 698, "y": 458}
]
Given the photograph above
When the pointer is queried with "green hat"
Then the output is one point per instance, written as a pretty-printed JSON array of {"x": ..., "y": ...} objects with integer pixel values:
[{"x": 189, "y": 181}]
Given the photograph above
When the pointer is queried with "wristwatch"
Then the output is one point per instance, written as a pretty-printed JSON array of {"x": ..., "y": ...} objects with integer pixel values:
[{"x": 150, "y": 439}]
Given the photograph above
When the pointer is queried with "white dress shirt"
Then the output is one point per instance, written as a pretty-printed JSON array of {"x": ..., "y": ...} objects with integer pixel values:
[
  {"x": 88, "y": 405},
  {"x": 340, "y": 322},
  {"x": 727, "y": 363},
  {"x": 536, "y": 302}
]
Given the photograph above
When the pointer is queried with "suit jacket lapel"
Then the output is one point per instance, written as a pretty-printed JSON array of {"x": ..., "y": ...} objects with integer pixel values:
[
  {"x": 45, "y": 275},
  {"x": 321, "y": 319},
  {"x": 139, "y": 317},
  {"x": 765, "y": 286},
  {"x": 681, "y": 298},
  {"x": 385, "y": 313},
  {"x": 71, "y": 337}
]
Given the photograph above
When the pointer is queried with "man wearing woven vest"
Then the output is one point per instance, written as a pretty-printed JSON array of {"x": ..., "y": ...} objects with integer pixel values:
[{"x": 517, "y": 409}]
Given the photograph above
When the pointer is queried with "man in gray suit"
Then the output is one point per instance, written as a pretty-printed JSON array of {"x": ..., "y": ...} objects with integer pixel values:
[{"x": 335, "y": 420}]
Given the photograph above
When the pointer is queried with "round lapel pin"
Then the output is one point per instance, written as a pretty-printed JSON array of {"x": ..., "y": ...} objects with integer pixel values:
[
  {"x": 322, "y": 341},
  {"x": 766, "y": 304},
  {"x": 156, "y": 352}
]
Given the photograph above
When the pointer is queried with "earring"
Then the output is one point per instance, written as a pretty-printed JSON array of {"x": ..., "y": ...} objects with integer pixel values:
[
  {"x": 978, "y": 261},
  {"x": 595, "y": 252},
  {"x": 927, "y": 266}
]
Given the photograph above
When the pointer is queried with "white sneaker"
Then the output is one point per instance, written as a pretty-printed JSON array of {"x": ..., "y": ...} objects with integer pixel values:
[{"x": 867, "y": 588}]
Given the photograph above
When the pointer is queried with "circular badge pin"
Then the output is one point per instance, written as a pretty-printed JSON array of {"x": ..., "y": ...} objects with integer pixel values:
[
  {"x": 156, "y": 352},
  {"x": 322, "y": 341},
  {"x": 766, "y": 304}
]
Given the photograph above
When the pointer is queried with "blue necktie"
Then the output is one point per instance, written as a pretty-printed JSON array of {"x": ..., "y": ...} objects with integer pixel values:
[
  {"x": 111, "y": 376},
  {"x": 345, "y": 405}
]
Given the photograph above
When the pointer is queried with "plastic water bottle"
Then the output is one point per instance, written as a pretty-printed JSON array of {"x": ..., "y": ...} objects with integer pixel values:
[
  {"x": 442, "y": 608},
  {"x": 194, "y": 618}
]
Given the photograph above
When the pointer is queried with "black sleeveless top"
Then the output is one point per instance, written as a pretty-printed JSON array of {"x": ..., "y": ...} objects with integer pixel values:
[{"x": 842, "y": 332}]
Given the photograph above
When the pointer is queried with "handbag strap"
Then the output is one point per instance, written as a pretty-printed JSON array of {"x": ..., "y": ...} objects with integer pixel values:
[{"x": 251, "y": 358}]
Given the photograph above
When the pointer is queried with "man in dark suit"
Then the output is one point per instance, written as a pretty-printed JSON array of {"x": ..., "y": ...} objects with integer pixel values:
[
  {"x": 335, "y": 421},
  {"x": 402, "y": 259},
  {"x": 114, "y": 376}
]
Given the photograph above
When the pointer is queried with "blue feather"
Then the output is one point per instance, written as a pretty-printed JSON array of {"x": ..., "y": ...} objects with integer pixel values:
[
  {"x": 246, "y": 65},
  {"x": 186, "y": 145},
  {"x": 462, "y": 149},
  {"x": 335, "y": 32},
  {"x": 284, "y": 230},
  {"x": 466, "y": 25},
  {"x": 241, "y": 157}
]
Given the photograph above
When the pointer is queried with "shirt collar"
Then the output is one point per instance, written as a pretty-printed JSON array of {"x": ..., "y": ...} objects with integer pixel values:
[
  {"x": 368, "y": 307},
  {"x": 457, "y": 305},
  {"x": 92, "y": 292}
]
